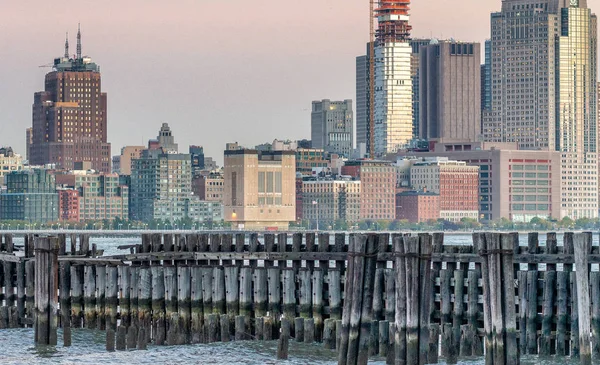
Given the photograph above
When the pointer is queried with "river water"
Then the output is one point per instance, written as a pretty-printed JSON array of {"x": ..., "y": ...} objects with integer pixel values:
[{"x": 16, "y": 345}]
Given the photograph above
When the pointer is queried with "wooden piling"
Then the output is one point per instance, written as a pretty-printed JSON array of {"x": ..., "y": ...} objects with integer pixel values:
[
  {"x": 343, "y": 325},
  {"x": 30, "y": 289},
  {"x": 246, "y": 295},
  {"x": 112, "y": 299},
  {"x": 329, "y": 334},
  {"x": 225, "y": 327},
  {"x": 158, "y": 306},
  {"x": 213, "y": 327},
  {"x": 284, "y": 340},
  {"x": 124, "y": 295},
  {"x": 171, "y": 317},
  {"x": 561, "y": 312},
  {"x": 335, "y": 293},
  {"x": 121, "y": 344},
  {"x": 299, "y": 328},
  {"x": 110, "y": 340},
  {"x": 20, "y": 290},
  {"x": 144, "y": 304},
  {"x": 289, "y": 295},
  {"x": 582, "y": 243},
  {"x": 356, "y": 293},
  {"x": 274, "y": 295},
  {"x": 318, "y": 307},
  {"x": 197, "y": 310},
  {"x": 240, "y": 328},
  {"x": 65, "y": 294},
  {"x": 101, "y": 296},
  {"x": 46, "y": 290},
  {"x": 260, "y": 292},
  {"x": 595, "y": 321},
  {"x": 184, "y": 307},
  {"x": 401, "y": 296},
  {"x": 132, "y": 336}
]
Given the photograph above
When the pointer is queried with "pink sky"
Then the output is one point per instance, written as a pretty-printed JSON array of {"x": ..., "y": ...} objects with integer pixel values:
[{"x": 216, "y": 71}]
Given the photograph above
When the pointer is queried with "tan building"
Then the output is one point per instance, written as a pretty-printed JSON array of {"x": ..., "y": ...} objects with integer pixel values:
[
  {"x": 455, "y": 182},
  {"x": 514, "y": 184},
  {"x": 378, "y": 194},
  {"x": 260, "y": 189},
  {"x": 122, "y": 163},
  {"x": 331, "y": 200},
  {"x": 209, "y": 186},
  {"x": 9, "y": 161}
]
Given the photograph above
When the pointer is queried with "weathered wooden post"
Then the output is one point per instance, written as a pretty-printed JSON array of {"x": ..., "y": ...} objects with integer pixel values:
[
  {"x": 46, "y": 290},
  {"x": 582, "y": 243}
]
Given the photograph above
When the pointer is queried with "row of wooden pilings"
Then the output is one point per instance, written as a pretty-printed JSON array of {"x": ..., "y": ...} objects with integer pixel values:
[{"x": 409, "y": 338}]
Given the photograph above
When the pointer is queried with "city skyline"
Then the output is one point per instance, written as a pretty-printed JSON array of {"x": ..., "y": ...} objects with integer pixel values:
[{"x": 203, "y": 89}]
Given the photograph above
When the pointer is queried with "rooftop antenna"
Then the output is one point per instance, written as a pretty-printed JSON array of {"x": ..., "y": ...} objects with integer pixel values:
[
  {"x": 79, "y": 41},
  {"x": 67, "y": 46}
]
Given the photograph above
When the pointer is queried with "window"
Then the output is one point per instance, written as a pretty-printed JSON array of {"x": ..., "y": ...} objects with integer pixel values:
[
  {"x": 517, "y": 167},
  {"x": 517, "y": 198},
  {"x": 530, "y": 207},
  {"x": 517, "y": 174}
]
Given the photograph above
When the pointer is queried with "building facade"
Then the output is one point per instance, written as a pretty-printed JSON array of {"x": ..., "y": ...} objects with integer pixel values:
[
  {"x": 514, "y": 184},
  {"x": 123, "y": 164},
  {"x": 544, "y": 74},
  {"x": 417, "y": 206},
  {"x": 308, "y": 159},
  {"x": 30, "y": 196},
  {"x": 331, "y": 200},
  {"x": 260, "y": 189},
  {"x": 332, "y": 126},
  {"x": 450, "y": 91},
  {"x": 362, "y": 99},
  {"x": 197, "y": 153},
  {"x": 68, "y": 202},
  {"x": 393, "y": 125},
  {"x": 209, "y": 187},
  {"x": 416, "y": 45},
  {"x": 455, "y": 182},
  {"x": 378, "y": 188},
  {"x": 69, "y": 116},
  {"x": 9, "y": 161}
]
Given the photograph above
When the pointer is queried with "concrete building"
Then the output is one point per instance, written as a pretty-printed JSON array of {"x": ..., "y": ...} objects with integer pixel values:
[
  {"x": 330, "y": 200},
  {"x": 378, "y": 188},
  {"x": 209, "y": 186},
  {"x": 450, "y": 91},
  {"x": 166, "y": 140},
  {"x": 9, "y": 161},
  {"x": 69, "y": 116},
  {"x": 197, "y": 153},
  {"x": 260, "y": 189},
  {"x": 544, "y": 90},
  {"x": 486, "y": 80},
  {"x": 332, "y": 126},
  {"x": 416, "y": 45},
  {"x": 122, "y": 162},
  {"x": 455, "y": 182},
  {"x": 100, "y": 196},
  {"x": 30, "y": 196},
  {"x": 417, "y": 206},
  {"x": 309, "y": 159},
  {"x": 514, "y": 184},
  {"x": 362, "y": 100}
]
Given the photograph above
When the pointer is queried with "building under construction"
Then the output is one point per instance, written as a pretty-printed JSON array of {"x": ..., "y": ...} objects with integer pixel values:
[
  {"x": 392, "y": 87},
  {"x": 384, "y": 81}
]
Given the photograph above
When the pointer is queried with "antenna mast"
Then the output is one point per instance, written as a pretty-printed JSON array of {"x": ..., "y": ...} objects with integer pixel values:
[
  {"x": 79, "y": 41},
  {"x": 67, "y": 46}
]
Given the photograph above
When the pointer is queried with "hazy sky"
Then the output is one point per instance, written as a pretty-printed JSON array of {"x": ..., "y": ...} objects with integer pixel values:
[{"x": 215, "y": 70}]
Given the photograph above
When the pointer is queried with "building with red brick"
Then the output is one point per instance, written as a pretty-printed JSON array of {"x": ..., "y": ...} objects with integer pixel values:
[
  {"x": 209, "y": 186},
  {"x": 455, "y": 181},
  {"x": 69, "y": 117},
  {"x": 68, "y": 202},
  {"x": 378, "y": 191},
  {"x": 417, "y": 206}
]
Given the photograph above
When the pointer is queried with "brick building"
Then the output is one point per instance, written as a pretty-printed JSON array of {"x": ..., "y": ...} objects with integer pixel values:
[
  {"x": 417, "y": 206},
  {"x": 456, "y": 182},
  {"x": 68, "y": 203},
  {"x": 209, "y": 186},
  {"x": 378, "y": 194},
  {"x": 69, "y": 116}
]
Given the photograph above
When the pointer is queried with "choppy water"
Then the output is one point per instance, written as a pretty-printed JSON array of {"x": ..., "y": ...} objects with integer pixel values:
[{"x": 16, "y": 345}]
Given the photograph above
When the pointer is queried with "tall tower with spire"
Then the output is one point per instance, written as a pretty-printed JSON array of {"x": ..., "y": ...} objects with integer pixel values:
[{"x": 69, "y": 116}]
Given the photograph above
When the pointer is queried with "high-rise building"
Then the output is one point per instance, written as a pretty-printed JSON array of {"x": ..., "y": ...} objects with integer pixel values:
[
  {"x": 122, "y": 162},
  {"x": 332, "y": 126},
  {"x": 393, "y": 127},
  {"x": 362, "y": 99},
  {"x": 30, "y": 196},
  {"x": 416, "y": 45},
  {"x": 28, "y": 142},
  {"x": 544, "y": 60},
  {"x": 450, "y": 91},
  {"x": 197, "y": 153},
  {"x": 260, "y": 189},
  {"x": 69, "y": 116},
  {"x": 486, "y": 79},
  {"x": 166, "y": 140}
]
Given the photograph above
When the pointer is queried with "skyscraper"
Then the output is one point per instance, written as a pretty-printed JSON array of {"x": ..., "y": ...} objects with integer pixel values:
[
  {"x": 416, "y": 45},
  {"x": 450, "y": 91},
  {"x": 69, "y": 116},
  {"x": 362, "y": 99},
  {"x": 393, "y": 127},
  {"x": 543, "y": 77},
  {"x": 332, "y": 127}
]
